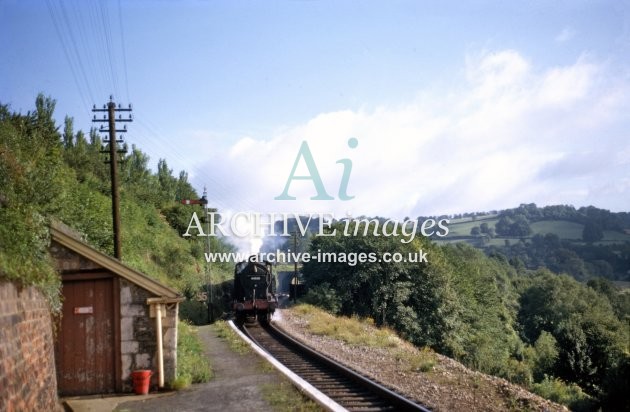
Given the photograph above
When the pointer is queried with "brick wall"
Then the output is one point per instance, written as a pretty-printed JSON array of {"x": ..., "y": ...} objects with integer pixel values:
[{"x": 27, "y": 364}]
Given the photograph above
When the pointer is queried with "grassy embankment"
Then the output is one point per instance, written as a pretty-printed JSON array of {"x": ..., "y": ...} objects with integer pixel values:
[{"x": 357, "y": 332}]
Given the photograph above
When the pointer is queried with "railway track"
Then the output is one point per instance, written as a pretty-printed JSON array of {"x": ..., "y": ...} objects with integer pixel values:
[{"x": 346, "y": 387}]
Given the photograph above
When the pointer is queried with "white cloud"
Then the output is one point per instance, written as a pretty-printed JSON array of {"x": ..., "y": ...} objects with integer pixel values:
[
  {"x": 493, "y": 74},
  {"x": 565, "y": 35},
  {"x": 512, "y": 134},
  {"x": 564, "y": 85}
]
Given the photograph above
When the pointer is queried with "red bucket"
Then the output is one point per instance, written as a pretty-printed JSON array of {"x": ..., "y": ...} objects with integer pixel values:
[{"x": 141, "y": 381}]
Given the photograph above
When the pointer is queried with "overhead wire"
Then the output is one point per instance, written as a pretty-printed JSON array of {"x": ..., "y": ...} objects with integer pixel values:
[
  {"x": 89, "y": 51},
  {"x": 95, "y": 69},
  {"x": 75, "y": 48},
  {"x": 123, "y": 48},
  {"x": 100, "y": 48},
  {"x": 168, "y": 147},
  {"x": 65, "y": 47},
  {"x": 111, "y": 57}
]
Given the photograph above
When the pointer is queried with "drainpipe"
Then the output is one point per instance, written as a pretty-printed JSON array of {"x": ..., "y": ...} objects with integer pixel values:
[
  {"x": 158, "y": 306},
  {"x": 160, "y": 349}
]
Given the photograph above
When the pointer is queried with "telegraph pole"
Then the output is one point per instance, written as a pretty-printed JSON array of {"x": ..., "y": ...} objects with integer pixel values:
[{"x": 113, "y": 151}]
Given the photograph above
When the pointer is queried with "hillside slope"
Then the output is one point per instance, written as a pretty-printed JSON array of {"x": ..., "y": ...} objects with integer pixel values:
[
  {"x": 46, "y": 174},
  {"x": 585, "y": 243},
  {"x": 436, "y": 381}
]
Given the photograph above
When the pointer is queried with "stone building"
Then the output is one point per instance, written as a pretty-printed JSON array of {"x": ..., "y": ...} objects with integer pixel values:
[{"x": 110, "y": 322}]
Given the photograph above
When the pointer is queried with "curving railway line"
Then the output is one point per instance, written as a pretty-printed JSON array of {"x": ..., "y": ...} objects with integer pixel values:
[{"x": 344, "y": 386}]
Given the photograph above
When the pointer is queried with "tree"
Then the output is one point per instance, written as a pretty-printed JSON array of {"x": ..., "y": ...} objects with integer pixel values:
[
  {"x": 592, "y": 232},
  {"x": 504, "y": 226},
  {"x": 183, "y": 189},
  {"x": 590, "y": 339},
  {"x": 620, "y": 301},
  {"x": 168, "y": 184},
  {"x": 68, "y": 134},
  {"x": 546, "y": 355},
  {"x": 413, "y": 298},
  {"x": 325, "y": 297},
  {"x": 520, "y": 227},
  {"x": 475, "y": 231}
]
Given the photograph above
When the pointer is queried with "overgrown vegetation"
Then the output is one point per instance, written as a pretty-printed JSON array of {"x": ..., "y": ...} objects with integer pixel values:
[
  {"x": 193, "y": 366},
  {"x": 30, "y": 165},
  {"x": 350, "y": 330},
  {"x": 567, "y": 394},
  {"x": 46, "y": 174}
]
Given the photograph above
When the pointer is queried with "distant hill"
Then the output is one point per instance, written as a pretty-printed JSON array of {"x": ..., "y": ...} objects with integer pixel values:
[{"x": 587, "y": 242}]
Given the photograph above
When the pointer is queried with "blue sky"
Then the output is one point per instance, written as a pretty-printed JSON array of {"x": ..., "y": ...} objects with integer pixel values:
[{"x": 457, "y": 106}]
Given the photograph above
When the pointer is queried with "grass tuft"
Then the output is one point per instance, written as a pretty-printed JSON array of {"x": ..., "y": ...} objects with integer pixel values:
[
  {"x": 283, "y": 397},
  {"x": 193, "y": 365},
  {"x": 235, "y": 343},
  {"x": 421, "y": 360},
  {"x": 353, "y": 331}
]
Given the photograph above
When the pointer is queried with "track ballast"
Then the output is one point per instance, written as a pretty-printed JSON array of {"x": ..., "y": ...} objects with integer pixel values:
[{"x": 343, "y": 385}]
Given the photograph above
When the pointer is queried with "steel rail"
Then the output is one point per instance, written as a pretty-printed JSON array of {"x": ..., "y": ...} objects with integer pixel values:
[{"x": 345, "y": 386}]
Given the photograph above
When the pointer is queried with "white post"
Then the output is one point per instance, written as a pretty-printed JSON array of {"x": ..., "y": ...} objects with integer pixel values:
[{"x": 158, "y": 327}]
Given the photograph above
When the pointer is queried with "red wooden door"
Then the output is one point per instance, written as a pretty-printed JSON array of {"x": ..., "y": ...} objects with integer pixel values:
[{"x": 85, "y": 356}]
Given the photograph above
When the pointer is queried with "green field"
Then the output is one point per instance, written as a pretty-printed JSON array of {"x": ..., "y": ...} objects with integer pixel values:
[
  {"x": 611, "y": 236},
  {"x": 564, "y": 229},
  {"x": 470, "y": 219},
  {"x": 463, "y": 228},
  {"x": 500, "y": 241}
]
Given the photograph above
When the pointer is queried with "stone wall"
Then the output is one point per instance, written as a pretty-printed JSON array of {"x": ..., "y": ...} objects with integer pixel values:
[
  {"x": 138, "y": 346},
  {"x": 27, "y": 365},
  {"x": 67, "y": 260},
  {"x": 138, "y": 335}
]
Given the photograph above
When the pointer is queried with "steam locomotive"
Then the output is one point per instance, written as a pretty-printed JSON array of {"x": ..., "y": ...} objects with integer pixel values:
[{"x": 254, "y": 297}]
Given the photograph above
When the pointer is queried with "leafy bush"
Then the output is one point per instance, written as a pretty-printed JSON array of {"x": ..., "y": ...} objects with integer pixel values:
[
  {"x": 324, "y": 296},
  {"x": 518, "y": 372},
  {"x": 568, "y": 394},
  {"x": 542, "y": 357}
]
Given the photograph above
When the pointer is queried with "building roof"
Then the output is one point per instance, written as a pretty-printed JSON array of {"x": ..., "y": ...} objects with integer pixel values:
[{"x": 66, "y": 237}]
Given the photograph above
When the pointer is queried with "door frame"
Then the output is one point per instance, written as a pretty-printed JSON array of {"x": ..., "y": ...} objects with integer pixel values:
[{"x": 97, "y": 274}]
